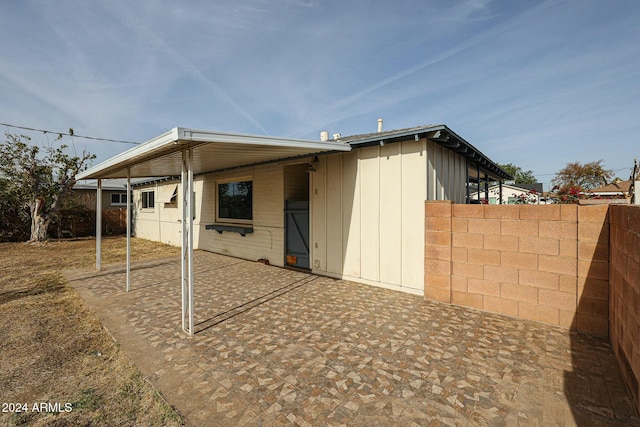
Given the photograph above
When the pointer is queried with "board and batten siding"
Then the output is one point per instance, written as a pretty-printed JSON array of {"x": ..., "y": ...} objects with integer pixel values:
[
  {"x": 162, "y": 223},
  {"x": 367, "y": 210}
]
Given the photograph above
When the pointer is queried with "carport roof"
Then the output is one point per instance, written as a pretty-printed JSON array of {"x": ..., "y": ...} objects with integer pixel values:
[{"x": 212, "y": 151}]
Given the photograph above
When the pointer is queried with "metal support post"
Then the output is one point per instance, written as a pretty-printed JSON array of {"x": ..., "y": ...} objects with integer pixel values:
[
  {"x": 187, "y": 241},
  {"x": 99, "y": 226},
  {"x": 128, "y": 229}
]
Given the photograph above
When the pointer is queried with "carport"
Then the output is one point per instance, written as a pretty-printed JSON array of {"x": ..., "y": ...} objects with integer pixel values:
[{"x": 187, "y": 152}]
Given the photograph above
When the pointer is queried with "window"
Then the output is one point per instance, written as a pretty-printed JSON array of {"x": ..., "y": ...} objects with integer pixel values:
[
  {"x": 118, "y": 199},
  {"x": 235, "y": 201},
  {"x": 148, "y": 200}
]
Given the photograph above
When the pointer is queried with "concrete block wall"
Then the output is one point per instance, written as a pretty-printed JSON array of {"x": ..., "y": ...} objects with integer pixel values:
[
  {"x": 534, "y": 262},
  {"x": 624, "y": 293},
  {"x": 592, "y": 314}
]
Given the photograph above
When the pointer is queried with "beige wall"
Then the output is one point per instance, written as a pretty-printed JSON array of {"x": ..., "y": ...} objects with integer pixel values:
[
  {"x": 267, "y": 239},
  {"x": 160, "y": 223},
  {"x": 367, "y": 210},
  {"x": 266, "y": 242},
  {"x": 624, "y": 303}
]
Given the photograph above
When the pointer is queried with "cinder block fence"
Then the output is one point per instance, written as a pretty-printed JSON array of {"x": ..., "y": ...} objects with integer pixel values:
[{"x": 567, "y": 265}]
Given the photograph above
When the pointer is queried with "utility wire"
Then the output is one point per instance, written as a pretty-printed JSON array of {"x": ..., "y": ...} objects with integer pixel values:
[{"x": 70, "y": 133}]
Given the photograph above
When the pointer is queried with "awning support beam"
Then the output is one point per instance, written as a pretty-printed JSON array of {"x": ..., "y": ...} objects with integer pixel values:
[
  {"x": 187, "y": 241},
  {"x": 128, "y": 229},
  {"x": 99, "y": 226}
]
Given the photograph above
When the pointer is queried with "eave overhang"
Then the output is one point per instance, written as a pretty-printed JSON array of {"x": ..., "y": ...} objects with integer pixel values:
[
  {"x": 441, "y": 135},
  {"x": 162, "y": 156}
]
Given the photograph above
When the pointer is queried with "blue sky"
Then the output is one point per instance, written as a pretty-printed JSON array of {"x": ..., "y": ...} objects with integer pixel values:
[{"x": 535, "y": 83}]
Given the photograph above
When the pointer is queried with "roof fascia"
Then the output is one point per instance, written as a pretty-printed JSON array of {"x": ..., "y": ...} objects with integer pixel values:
[
  {"x": 376, "y": 139},
  {"x": 459, "y": 145},
  {"x": 204, "y": 136},
  {"x": 130, "y": 155},
  {"x": 185, "y": 138}
]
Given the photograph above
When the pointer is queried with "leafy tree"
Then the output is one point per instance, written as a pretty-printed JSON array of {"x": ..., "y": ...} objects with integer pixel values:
[
  {"x": 40, "y": 181},
  {"x": 14, "y": 217},
  {"x": 520, "y": 175},
  {"x": 581, "y": 177}
]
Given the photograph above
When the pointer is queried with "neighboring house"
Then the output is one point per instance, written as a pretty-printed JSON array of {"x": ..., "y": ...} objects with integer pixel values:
[
  {"x": 351, "y": 207},
  {"x": 114, "y": 195},
  {"x": 511, "y": 194},
  {"x": 619, "y": 190}
]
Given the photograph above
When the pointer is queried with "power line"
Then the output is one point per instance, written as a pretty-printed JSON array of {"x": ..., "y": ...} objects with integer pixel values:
[{"x": 70, "y": 133}]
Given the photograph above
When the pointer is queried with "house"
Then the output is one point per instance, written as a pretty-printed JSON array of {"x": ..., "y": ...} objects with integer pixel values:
[
  {"x": 511, "y": 194},
  {"x": 618, "y": 190},
  {"x": 114, "y": 196},
  {"x": 348, "y": 207}
]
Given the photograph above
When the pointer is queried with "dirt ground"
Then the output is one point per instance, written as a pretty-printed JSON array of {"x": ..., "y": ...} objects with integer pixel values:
[{"x": 58, "y": 366}]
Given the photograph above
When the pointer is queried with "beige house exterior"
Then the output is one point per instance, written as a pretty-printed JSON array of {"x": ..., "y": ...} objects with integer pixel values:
[{"x": 366, "y": 206}]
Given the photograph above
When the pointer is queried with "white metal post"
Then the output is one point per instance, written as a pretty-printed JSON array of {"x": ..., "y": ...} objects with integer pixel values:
[
  {"x": 128, "y": 229},
  {"x": 99, "y": 226},
  {"x": 190, "y": 216},
  {"x": 187, "y": 241},
  {"x": 183, "y": 245}
]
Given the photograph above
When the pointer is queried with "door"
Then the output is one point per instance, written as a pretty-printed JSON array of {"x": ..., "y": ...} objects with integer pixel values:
[{"x": 297, "y": 233}]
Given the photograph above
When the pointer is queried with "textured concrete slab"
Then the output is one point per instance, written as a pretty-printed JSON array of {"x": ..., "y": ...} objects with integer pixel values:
[{"x": 275, "y": 346}]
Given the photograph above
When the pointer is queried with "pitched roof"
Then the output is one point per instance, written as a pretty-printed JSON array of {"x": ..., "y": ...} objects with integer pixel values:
[
  {"x": 612, "y": 188},
  {"x": 439, "y": 134}
]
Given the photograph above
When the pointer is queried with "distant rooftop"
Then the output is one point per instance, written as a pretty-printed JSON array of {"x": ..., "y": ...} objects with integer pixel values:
[{"x": 612, "y": 188}]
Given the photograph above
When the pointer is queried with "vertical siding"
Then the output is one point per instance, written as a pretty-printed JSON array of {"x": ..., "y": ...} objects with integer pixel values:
[
  {"x": 370, "y": 218},
  {"x": 318, "y": 216},
  {"x": 351, "y": 212},
  {"x": 431, "y": 171},
  {"x": 390, "y": 229},
  {"x": 446, "y": 174},
  {"x": 368, "y": 210},
  {"x": 334, "y": 206},
  {"x": 414, "y": 188}
]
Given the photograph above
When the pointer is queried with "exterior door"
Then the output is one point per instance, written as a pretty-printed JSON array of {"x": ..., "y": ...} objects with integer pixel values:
[{"x": 297, "y": 233}]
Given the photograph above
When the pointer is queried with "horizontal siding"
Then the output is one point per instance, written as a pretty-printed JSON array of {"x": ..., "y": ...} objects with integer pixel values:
[{"x": 267, "y": 241}]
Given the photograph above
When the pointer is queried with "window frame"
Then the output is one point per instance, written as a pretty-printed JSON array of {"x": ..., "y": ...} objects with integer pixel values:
[
  {"x": 120, "y": 196},
  {"x": 226, "y": 220},
  {"x": 144, "y": 199}
]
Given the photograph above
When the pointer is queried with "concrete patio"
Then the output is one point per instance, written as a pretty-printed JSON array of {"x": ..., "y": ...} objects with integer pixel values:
[{"x": 275, "y": 346}]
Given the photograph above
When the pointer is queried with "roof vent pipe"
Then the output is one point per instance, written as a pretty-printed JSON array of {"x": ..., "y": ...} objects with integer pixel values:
[
  {"x": 324, "y": 136},
  {"x": 379, "y": 125}
]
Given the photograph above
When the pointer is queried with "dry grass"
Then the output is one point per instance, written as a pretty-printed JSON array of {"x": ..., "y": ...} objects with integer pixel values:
[{"x": 53, "y": 349}]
